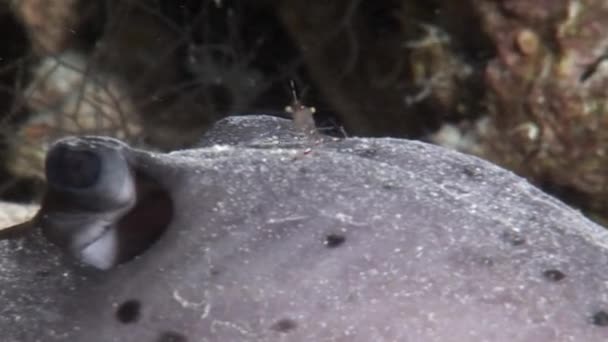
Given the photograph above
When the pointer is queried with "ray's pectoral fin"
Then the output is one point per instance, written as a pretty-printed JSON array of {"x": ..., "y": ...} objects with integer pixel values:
[{"x": 98, "y": 207}]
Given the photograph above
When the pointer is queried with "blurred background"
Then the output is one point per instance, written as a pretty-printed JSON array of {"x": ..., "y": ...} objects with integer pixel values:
[{"x": 521, "y": 83}]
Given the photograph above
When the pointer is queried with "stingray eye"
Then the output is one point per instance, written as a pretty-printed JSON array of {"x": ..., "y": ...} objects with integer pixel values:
[
  {"x": 100, "y": 207},
  {"x": 90, "y": 175},
  {"x": 70, "y": 168}
]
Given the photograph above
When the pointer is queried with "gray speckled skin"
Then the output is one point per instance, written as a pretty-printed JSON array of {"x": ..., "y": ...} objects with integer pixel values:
[{"x": 355, "y": 240}]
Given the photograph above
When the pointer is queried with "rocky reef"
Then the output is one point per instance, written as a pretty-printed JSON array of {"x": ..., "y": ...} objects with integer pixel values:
[{"x": 517, "y": 82}]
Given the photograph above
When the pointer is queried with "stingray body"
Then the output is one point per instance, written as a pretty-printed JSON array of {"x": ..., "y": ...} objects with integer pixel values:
[{"x": 272, "y": 237}]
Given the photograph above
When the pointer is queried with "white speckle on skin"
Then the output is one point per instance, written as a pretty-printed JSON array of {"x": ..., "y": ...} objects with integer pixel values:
[
  {"x": 217, "y": 324},
  {"x": 193, "y": 305},
  {"x": 345, "y": 218},
  {"x": 287, "y": 219},
  {"x": 221, "y": 148}
]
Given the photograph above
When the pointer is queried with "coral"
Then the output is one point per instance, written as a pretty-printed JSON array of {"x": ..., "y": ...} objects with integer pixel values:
[{"x": 546, "y": 94}]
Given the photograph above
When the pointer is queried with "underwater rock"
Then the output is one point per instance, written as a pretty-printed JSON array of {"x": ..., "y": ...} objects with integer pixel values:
[
  {"x": 276, "y": 237},
  {"x": 14, "y": 213}
]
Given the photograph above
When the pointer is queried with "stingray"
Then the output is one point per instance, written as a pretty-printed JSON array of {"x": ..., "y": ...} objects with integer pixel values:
[{"x": 262, "y": 234}]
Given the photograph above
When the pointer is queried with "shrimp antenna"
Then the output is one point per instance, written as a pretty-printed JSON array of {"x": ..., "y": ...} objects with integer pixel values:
[{"x": 294, "y": 91}]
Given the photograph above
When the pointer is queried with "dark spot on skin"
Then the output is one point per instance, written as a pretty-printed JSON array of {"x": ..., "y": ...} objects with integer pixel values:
[
  {"x": 513, "y": 238},
  {"x": 352, "y": 298},
  {"x": 129, "y": 311},
  {"x": 171, "y": 336},
  {"x": 389, "y": 186},
  {"x": 43, "y": 274},
  {"x": 534, "y": 218},
  {"x": 554, "y": 275},
  {"x": 284, "y": 325},
  {"x": 215, "y": 272},
  {"x": 257, "y": 210},
  {"x": 472, "y": 171},
  {"x": 334, "y": 240},
  {"x": 600, "y": 318},
  {"x": 367, "y": 153},
  {"x": 303, "y": 170}
]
